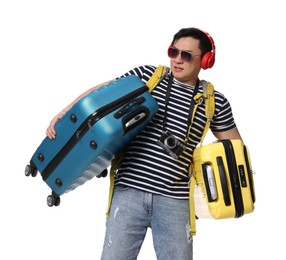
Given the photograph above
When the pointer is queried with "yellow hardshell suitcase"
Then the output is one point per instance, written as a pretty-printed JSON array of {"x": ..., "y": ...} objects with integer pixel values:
[{"x": 224, "y": 177}]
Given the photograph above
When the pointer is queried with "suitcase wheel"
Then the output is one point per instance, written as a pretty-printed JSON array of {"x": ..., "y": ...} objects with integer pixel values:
[
  {"x": 29, "y": 170},
  {"x": 53, "y": 200},
  {"x": 103, "y": 174}
]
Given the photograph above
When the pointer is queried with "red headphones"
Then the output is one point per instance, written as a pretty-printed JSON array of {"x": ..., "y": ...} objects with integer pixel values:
[{"x": 208, "y": 59}]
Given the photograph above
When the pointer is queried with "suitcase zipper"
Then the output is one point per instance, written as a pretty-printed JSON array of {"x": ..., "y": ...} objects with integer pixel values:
[
  {"x": 86, "y": 125},
  {"x": 234, "y": 178}
]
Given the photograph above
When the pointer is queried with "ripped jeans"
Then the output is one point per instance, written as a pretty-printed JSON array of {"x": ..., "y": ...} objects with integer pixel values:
[{"x": 132, "y": 212}]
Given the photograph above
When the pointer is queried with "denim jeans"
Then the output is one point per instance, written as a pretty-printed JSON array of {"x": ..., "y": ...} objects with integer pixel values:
[{"x": 133, "y": 212}]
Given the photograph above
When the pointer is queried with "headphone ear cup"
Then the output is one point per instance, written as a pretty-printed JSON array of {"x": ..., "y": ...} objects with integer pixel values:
[{"x": 207, "y": 60}]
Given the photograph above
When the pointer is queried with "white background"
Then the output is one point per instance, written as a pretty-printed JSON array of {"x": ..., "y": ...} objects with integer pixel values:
[{"x": 52, "y": 51}]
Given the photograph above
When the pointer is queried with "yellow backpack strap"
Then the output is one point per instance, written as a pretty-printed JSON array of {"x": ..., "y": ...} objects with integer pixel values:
[
  {"x": 157, "y": 76},
  {"x": 192, "y": 184},
  {"x": 208, "y": 96},
  {"x": 111, "y": 189},
  {"x": 210, "y": 108},
  {"x": 114, "y": 166}
]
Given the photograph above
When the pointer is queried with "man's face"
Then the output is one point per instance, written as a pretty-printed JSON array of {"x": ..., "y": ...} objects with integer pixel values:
[{"x": 183, "y": 70}]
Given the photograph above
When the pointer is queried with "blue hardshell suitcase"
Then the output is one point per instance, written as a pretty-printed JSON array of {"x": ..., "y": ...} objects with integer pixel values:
[{"x": 91, "y": 133}]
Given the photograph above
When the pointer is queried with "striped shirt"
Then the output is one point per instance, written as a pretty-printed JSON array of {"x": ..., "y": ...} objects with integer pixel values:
[{"x": 146, "y": 165}]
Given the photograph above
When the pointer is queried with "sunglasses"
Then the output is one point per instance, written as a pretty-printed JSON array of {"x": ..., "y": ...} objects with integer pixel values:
[{"x": 173, "y": 53}]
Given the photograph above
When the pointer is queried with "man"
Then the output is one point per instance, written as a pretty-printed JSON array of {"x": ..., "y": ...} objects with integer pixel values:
[{"x": 152, "y": 182}]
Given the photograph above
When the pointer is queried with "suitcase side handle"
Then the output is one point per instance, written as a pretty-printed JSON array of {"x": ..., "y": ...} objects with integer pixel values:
[
  {"x": 210, "y": 183},
  {"x": 223, "y": 181},
  {"x": 135, "y": 118}
]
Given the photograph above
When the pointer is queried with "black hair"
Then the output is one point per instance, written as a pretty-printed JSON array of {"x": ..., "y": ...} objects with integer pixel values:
[{"x": 205, "y": 44}]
